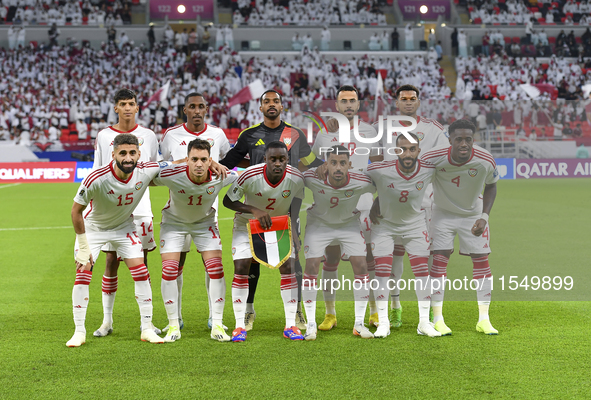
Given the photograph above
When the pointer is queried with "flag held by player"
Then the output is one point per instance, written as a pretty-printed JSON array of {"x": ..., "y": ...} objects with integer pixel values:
[{"x": 271, "y": 247}]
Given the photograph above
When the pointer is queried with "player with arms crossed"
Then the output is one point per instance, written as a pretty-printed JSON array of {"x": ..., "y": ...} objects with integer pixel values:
[
  {"x": 112, "y": 192},
  {"x": 430, "y": 134},
  {"x": 399, "y": 218},
  {"x": 463, "y": 171},
  {"x": 334, "y": 220},
  {"x": 251, "y": 143},
  {"x": 126, "y": 107},
  {"x": 347, "y": 104},
  {"x": 190, "y": 210},
  {"x": 173, "y": 146},
  {"x": 268, "y": 189}
]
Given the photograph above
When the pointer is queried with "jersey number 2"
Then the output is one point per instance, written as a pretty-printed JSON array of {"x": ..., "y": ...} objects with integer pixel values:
[{"x": 271, "y": 202}]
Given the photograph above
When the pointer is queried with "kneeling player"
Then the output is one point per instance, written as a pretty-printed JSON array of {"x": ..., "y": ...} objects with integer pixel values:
[
  {"x": 333, "y": 220},
  {"x": 463, "y": 171},
  {"x": 399, "y": 218},
  {"x": 189, "y": 211},
  {"x": 268, "y": 189}
]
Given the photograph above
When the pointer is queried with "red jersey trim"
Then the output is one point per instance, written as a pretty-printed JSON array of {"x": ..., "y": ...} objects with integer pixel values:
[
  {"x": 408, "y": 178},
  {"x": 168, "y": 130},
  {"x": 449, "y": 159},
  {"x": 199, "y": 184},
  {"x": 360, "y": 177},
  {"x": 118, "y": 131},
  {"x": 95, "y": 174},
  {"x": 486, "y": 157},
  {"x": 86, "y": 215},
  {"x": 115, "y": 175},
  {"x": 267, "y": 180},
  {"x": 195, "y": 133},
  {"x": 248, "y": 174},
  {"x": 326, "y": 182},
  {"x": 436, "y": 153}
]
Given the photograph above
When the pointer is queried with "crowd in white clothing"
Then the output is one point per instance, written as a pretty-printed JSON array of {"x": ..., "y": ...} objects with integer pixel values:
[{"x": 313, "y": 12}]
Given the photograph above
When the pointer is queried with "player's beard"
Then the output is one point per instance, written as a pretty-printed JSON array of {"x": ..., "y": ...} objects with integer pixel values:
[
  {"x": 126, "y": 169},
  {"x": 412, "y": 166},
  {"x": 272, "y": 117}
]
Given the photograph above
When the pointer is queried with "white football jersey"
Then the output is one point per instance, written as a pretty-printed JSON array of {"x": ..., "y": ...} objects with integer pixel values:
[
  {"x": 336, "y": 205},
  {"x": 430, "y": 133},
  {"x": 112, "y": 201},
  {"x": 457, "y": 187},
  {"x": 359, "y": 152},
  {"x": 103, "y": 155},
  {"x": 190, "y": 202},
  {"x": 173, "y": 145},
  {"x": 401, "y": 195},
  {"x": 260, "y": 193}
]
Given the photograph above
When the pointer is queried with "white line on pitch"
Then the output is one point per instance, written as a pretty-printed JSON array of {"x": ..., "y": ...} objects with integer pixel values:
[
  {"x": 35, "y": 228},
  {"x": 9, "y": 185}
]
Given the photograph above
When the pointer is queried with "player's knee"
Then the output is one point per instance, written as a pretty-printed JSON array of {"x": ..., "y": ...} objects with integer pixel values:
[
  {"x": 139, "y": 273},
  {"x": 170, "y": 270},
  {"x": 214, "y": 268}
]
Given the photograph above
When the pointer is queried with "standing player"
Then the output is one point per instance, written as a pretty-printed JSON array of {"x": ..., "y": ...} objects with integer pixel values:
[
  {"x": 112, "y": 192},
  {"x": 173, "y": 146},
  {"x": 126, "y": 107},
  {"x": 430, "y": 134},
  {"x": 251, "y": 143},
  {"x": 334, "y": 220},
  {"x": 347, "y": 104},
  {"x": 268, "y": 189},
  {"x": 191, "y": 211},
  {"x": 400, "y": 185},
  {"x": 463, "y": 171}
]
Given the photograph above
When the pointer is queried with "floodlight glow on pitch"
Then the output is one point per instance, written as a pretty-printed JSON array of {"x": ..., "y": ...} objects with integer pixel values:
[
  {"x": 423, "y": 9},
  {"x": 181, "y": 9}
]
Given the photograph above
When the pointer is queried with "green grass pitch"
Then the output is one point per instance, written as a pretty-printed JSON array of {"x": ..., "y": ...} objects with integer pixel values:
[{"x": 540, "y": 228}]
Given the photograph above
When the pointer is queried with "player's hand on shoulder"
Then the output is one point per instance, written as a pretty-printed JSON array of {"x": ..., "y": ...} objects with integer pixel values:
[
  {"x": 219, "y": 170},
  {"x": 478, "y": 227},
  {"x": 322, "y": 171},
  {"x": 332, "y": 125},
  {"x": 375, "y": 213},
  {"x": 263, "y": 218}
]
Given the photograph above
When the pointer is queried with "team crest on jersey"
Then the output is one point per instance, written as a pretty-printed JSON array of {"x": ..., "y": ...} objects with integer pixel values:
[
  {"x": 286, "y": 194},
  {"x": 162, "y": 242},
  {"x": 420, "y": 185},
  {"x": 349, "y": 193},
  {"x": 210, "y": 141},
  {"x": 420, "y": 135},
  {"x": 210, "y": 190},
  {"x": 140, "y": 140},
  {"x": 233, "y": 250},
  {"x": 373, "y": 246},
  {"x": 306, "y": 249},
  {"x": 139, "y": 185},
  {"x": 472, "y": 172}
]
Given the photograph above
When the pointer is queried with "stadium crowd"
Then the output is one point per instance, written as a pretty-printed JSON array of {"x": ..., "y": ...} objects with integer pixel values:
[
  {"x": 87, "y": 12},
  {"x": 313, "y": 12},
  {"x": 525, "y": 12}
]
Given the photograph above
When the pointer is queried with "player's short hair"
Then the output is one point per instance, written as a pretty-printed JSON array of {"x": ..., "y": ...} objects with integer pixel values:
[
  {"x": 461, "y": 124},
  {"x": 270, "y": 91},
  {"x": 199, "y": 144},
  {"x": 415, "y": 137},
  {"x": 276, "y": 145},
  {"x": 406, "y": 88},
  {"x": 125, "y": 138},
  {"x": 337, "y": 150},
  {"x": 124, "y": 94},
  {"x": 347, "y": 88},
  {"x": 194, "y": 94}
]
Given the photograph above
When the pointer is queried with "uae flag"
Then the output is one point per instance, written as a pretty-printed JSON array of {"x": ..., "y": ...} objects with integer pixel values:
[{"x": 271, "y": 247}]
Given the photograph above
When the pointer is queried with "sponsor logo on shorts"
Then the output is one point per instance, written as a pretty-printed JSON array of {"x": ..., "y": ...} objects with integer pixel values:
[
  {"x": 349, "y": 193},
  {"x": 162, "y": 242},
  {"x": 373, "y": 246},
  {"x": 139, "y": 185},
  {"x": 472, "y": 172},
  {"x": 233, "y": 250},
  {"x": 210, "y": 190},
  {"x": 306, "y": 249},
  {"x": 420, "y": 135},
  {"x": 286, "y": 194},
  {"x": 210, "y": 141},
  {"x": 420, "y": 185}
]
